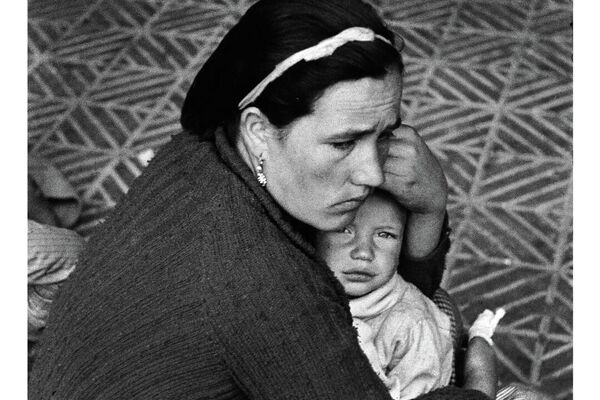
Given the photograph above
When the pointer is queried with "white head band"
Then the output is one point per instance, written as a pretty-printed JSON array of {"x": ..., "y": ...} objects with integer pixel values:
[{"x": 322, "y": 49}]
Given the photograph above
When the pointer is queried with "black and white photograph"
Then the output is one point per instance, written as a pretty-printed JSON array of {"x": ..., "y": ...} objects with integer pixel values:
[{"x": 300, "y": 199}]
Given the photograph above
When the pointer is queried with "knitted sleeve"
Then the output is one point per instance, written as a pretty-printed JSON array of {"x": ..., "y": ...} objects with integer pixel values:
[{"x": 426, "y": 272}]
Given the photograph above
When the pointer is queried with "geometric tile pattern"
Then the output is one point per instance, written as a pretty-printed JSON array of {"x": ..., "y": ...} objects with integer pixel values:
[{"x": 488, "y": 84}]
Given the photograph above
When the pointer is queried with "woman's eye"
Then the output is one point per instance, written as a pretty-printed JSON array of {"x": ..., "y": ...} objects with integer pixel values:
[
  {"x": 344, "y": 230},
  {"x": 347, "y": 145},
  {"x": 387, "y": 235}
]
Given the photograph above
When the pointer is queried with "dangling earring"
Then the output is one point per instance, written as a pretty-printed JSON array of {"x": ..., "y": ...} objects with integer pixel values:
[{"x": 260, "y": 175}]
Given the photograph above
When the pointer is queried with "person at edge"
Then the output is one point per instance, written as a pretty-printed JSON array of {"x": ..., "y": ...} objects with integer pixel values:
[{"x": 204, "y": 282}]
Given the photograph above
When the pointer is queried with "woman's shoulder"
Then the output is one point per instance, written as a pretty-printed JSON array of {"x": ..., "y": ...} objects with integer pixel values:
[
  {"x": 185, "y": 180},
  {"x": 183, "y": 197},
  {"x": 202, "y": 176},
  {"x": 189, "y": 215}
]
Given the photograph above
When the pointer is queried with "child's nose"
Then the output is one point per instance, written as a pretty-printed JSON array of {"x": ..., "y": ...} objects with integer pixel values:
[{"x": 362, "y": 250}]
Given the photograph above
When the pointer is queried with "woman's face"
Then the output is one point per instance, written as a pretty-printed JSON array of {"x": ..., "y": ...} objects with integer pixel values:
[{"x": 330, "y": 160}]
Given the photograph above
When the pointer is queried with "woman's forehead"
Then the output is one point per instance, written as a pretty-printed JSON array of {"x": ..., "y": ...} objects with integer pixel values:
[{"x": 364, "y": 104}]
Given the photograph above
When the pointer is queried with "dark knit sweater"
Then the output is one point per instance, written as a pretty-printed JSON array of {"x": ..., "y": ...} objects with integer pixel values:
[{"x": 200, "y": 287}]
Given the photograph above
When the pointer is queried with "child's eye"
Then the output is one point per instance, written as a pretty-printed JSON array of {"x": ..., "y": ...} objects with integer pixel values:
[{"x": 387, "y": 235}]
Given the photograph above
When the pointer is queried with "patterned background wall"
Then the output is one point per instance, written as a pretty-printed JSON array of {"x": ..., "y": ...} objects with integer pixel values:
[{"x": 488, "y": 84}]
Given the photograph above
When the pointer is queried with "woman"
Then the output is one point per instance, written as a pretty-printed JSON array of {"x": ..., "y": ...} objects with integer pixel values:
[{"x": 204, "y": 282}]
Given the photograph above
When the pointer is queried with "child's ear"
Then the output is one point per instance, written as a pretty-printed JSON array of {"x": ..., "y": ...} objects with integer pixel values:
[{"x": 255, "y": 130}]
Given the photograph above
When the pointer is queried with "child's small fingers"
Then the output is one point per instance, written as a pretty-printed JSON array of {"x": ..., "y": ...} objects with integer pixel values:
[{"x": 500, "y": 312}]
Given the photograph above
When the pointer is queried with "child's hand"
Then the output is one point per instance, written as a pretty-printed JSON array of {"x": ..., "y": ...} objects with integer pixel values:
[
  {"x": 480, "y": 367},
  {"x": 480, "y": 362},
  {"x": 485, "y": 325}
]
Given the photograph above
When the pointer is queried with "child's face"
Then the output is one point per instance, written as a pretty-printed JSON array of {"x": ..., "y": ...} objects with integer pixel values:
[{"x": 364, "y": 255}]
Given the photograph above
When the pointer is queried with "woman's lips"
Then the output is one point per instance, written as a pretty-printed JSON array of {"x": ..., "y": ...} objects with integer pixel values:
[
  {"x": 348, "y": 205},
  {"x": 351, "y": 204}
]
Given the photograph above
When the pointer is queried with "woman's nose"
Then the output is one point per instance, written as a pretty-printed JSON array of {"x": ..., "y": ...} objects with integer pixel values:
[
  {"x": 362, "y": 250},
  {"x": 369, "y": 170}
]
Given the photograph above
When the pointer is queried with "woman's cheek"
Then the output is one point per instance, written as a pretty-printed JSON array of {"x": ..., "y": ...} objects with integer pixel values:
[{"x": 324, "y": 166}]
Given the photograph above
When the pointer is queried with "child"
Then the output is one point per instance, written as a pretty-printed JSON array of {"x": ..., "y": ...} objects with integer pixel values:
[{"x": 405, "y": 336}]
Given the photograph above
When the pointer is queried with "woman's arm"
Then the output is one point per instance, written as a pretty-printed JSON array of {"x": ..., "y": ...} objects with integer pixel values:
[
  {"x": 415, "y": 178},
  {"x": 426, "y": 272}
]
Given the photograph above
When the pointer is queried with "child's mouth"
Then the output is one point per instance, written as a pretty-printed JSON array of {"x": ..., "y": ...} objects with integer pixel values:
[{"x": 357, "y": 276}]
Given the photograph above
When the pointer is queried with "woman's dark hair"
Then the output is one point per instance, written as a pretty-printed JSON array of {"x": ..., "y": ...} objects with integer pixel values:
[{"x": 269, "y": 32}]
